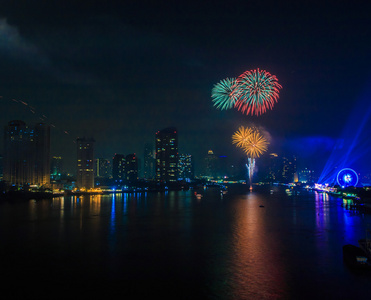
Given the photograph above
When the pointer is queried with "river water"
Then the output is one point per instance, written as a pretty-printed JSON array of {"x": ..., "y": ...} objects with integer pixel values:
[{"x": 271, "y": 243}]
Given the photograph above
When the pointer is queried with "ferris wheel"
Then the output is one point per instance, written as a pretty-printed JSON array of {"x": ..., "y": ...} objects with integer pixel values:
[{"x": 347, "y": 177}]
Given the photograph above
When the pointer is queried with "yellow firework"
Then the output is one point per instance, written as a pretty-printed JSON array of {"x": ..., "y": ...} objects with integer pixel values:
[
  {"x": 257, "y": 145},
  {"x": 251, "y": 141},
  {"x": 242, "y": 136}
]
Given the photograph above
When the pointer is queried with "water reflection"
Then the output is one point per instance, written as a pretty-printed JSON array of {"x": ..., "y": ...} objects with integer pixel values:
[
  {"x": 256, "y": 270},
  {"x": 259, "y": 245},
  {"x": 322, "y": 210}
]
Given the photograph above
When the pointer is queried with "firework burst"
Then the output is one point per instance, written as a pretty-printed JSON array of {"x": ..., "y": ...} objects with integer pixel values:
[
  {"x": 256, "y": 145},
  {"x": 223, "y": 94},
  {"x": 242, "y": 137},
  {"x": 253, "y": 143},
  {"x": 256, "y": 91}
]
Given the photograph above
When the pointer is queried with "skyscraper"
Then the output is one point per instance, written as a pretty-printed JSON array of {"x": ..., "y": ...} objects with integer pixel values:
[
  {"x": 167, "y": 155},
  {"x": 85, "y": 163},
  {"x": 185, "y": 167},
  {"x": 149, "y": 162},
  {"x": 56, "y": 167},
  {"x": 211, "y": 163},
  {"x": 118, "y": 168},
  {"x": 103, "y": 168},
  {"x": 131, "y": 168},
  {"x": 42, "y": 154},
  {"x": 27, "y": 154}
]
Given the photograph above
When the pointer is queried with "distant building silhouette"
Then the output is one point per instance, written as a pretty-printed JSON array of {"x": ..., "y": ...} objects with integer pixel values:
[
  {"x": 131, "y": 168},
  {"x": 167, "y": 155},
  {"x": 27, "y": 154},
  {"x": 148, "y": 162},
  {"x": 211, "y": 165},
  {"x": 56, "y": 167},
  {"x": 42, "y": 154},
  {"x": 119, "y": 168},
  {"x": 85, "y": 163}
]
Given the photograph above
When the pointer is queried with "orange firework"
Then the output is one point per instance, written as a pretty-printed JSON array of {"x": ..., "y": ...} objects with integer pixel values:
[
  {"x": 242, "y": 136},
  {"x": 251, "y": 141}
]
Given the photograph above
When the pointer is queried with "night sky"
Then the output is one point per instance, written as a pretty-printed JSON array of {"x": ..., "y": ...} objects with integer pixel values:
[{"x": 119, "y": 71}]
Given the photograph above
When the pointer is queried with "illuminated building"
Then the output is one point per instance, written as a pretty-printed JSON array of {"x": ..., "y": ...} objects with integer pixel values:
[
  {"x": 288, "y": 169},
  {"x": 131, "y": 168},
  {"x": 149, "y": 162},
  {"x": 118, "y": 168},
  {"x": 56, "y": 167},
  {"x": 167, "y": 155},
  {"x": 211, "y": 165},
  {"x": 27, "y": 154},
  {"x": 306, "y": 175},
  {"x": 42, "y": 154},
  {"x": 85, "y": 163},
  {"x": 103, "y": 168},
  {"x": 185, "y": 167}
]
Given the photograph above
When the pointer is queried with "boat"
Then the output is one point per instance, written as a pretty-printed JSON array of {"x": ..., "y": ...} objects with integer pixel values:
[
  {"x": 198, "y": 195},
  {"x": 355, "y": 257}
]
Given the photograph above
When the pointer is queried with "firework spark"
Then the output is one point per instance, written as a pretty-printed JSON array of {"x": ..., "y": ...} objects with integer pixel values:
[
  {"x": 253, "y": 143},
  {"x": 256, "y": 91},
  {"x": 256, "y": 145},
  {"x": 242, "y": 137},
  {"x": 223, "y": 94}
]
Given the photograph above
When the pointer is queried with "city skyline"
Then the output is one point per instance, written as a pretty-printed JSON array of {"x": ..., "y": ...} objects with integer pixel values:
[{"x": 120, "y": 72}]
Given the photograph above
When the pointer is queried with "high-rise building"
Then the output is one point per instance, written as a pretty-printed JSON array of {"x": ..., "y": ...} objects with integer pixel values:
[
  {"x": 211, "y": 165},
  {"x": 185, "y": 167},
  {"x": 306, "y": 175},
  {"x": 118, "y": 168},
  {"x": 167, "y": 155},
  {"x": 56, "y": 167},
  {"x": 27, "y": 154},
  {"x": 131, "y": 168},
  {"x": 289, "y": 169},
  {"x": 149, "y": 162},
  {"x": 103, "y": 168},
  {"x": 274, "y": 168},
  {"x": 85, "y": 163},
  {"x": 42, "y": 154}
]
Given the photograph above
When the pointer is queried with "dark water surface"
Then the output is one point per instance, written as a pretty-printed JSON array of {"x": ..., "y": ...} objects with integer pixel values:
[{"x": 178, "y": 247}]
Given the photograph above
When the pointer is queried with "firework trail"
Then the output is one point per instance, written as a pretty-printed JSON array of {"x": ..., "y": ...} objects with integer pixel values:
[{"x": 254, "y": 145}]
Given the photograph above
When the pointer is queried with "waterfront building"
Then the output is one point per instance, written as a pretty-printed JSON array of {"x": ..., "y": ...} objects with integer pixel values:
[
  {"x": 167, "y": 155},
  {"x": 148, "y": 162},
  {"x": 56, "y": 166},
  {"x": 85, "y": 163},
  {"x": 185, "y": 167},
  {"x": 118, "y": 168},
  {"x": 27, "y": 154},
  {"x": 103, "y": 168},
  {"x": 42, "y": 154},
  {"x": 211, "y": 165},
  {"x": 274, "y": 168},
  {"x": 131, "y": 168},
  {"x": 306, "y": 175},
  {"x": 288, "y": 169}
]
